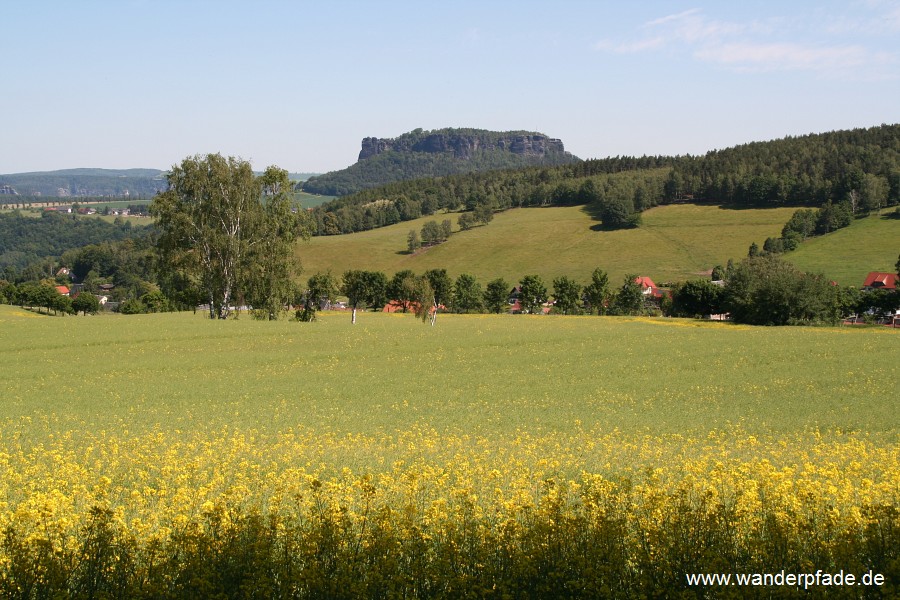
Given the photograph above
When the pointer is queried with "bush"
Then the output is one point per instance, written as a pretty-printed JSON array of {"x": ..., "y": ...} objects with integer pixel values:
[{"x": 132, "y": 307}]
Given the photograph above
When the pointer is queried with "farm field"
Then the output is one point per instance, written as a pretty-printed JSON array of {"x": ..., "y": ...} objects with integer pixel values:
[
  {"x": 307, "y": 200},
  {"x": 679, "y": 241},
  {"x": 474, "y": 453}
]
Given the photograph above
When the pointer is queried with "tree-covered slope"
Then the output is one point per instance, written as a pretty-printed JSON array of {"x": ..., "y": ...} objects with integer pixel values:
[
  {"x": 25, "y": 239},
  {"x": 859, "y": 169},
  {"x": 439, "y": 153}
]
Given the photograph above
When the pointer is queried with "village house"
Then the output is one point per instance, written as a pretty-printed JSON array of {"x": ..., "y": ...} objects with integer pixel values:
[
  {"x": 648, "y": 288},
  {"x": 877, "y": 280}
]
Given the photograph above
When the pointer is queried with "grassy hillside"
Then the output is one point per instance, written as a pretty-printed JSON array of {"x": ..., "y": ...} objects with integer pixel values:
[
  {"x": 847, "y": 255},
  {"x": 675, "y": 242}
]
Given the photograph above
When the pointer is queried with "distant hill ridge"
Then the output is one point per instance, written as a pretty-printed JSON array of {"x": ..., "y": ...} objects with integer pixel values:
[
  {"x": 74, "y": 183},
  {"x": 439, "y": 153},
  {"x": 87, "y": 182}
]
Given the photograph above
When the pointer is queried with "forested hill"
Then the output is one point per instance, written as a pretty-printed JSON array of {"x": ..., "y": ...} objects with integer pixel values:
[
  {"x": 856, "y": 170},
  {"x": 26, "y": 240},
  {"x": 810, "y": 169},
  {"x": 439, "y": 153}
]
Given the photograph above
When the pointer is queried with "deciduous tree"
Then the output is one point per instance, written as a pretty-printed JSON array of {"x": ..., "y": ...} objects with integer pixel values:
[
  {"x": 413, "y": 242},
  {"x": 467, "y": 294},
  {"x": 85, "y": 303},
  {"x": 235, "y": 230},
  {"x": 630, "y": 298},
  {"x": 441, "y": 285},
  {"x": 597, "y": 292},
  {"x": 566, "y": 295},
  {"x": 532, "y": 293},
  {"x": 496, "y": 296},
  {"x": 696, "y": 298}
]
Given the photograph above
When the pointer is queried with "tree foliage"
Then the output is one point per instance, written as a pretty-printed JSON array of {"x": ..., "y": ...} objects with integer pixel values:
[
  {"x": 629, "y": 299},
  {"x": 532, "y": 294},
  {"x": 26, "y": 240},
  {"x": 566, "y": 295},
  {"x": 597, "y": 292},
  {"x": 441, "y": 285},
  {"x": 496, "y": 296},
  {"x": 764, "y": 290},
  {"x": 321, "y": 290},
  {"x": 467, "y": 294},
  {"x": 233, "y": 229},
  {"x": 696, "y": 298}
]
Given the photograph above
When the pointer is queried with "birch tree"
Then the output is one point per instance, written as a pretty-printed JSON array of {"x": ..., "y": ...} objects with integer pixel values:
[{"x": 231, "y": 228}]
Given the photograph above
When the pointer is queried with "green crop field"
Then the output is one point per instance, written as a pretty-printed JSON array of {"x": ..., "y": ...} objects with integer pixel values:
[
  {"x": 490, "y": 452},
  {"x": 482, "y": 374},
  {"x": 674, "y": 243},
  {"x": 310, "y": 200}
]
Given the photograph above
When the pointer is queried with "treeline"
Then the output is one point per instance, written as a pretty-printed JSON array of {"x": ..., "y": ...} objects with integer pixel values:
[
  {"x": 28, "y": 243},
  {"x": 859, "y": 168},
  {"x": 395, "y": 166},
  {"x": 497, "y": 190},
  {"x": 760, "y": 290}
]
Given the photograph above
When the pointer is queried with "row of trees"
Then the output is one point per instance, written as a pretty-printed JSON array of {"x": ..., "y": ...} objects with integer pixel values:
[
  {"x": 760, "y": 290},
  {"x": 435, "y": 233},
  {"x": 45, "y": 296},
  {"x": 435, "y": 289}
]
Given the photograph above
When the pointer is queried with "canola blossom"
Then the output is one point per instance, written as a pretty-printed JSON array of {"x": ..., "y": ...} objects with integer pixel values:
[{"x": 442, "y": 509}]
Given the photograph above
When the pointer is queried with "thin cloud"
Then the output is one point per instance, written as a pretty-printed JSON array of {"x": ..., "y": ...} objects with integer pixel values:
[
  {"x": 785, "y": 56},
  {"x": 670, "y": 18},
  {"x": 750, "y": 46}
]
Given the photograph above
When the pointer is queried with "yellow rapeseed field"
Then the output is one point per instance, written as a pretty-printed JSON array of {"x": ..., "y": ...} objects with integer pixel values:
[{"x": 96, "y": 504}]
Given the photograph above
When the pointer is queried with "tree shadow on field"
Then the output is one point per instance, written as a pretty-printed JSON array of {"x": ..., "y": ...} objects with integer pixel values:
[{"x": 593, "y": 211}]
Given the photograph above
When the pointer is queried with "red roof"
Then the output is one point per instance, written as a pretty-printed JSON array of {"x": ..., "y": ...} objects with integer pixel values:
[
  {"x": 62, "y": 290},
  {"x": 398, "y": 306},
  {"x": 886, "y": 281},
  {"x": 645, "y": 282}
]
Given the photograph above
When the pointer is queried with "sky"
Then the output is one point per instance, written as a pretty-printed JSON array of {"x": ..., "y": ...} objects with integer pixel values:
[{"x": 145, "y": 83}]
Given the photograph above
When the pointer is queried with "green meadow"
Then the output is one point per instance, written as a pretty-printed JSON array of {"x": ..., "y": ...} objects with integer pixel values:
[
  {"x": 847, "y": 255},
  {"x": 478, "y": 374},
  {"x": 675, "y": 242}
]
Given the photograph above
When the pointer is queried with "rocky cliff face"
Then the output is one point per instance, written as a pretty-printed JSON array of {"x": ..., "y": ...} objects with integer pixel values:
[{"x": 463, "y": 145}]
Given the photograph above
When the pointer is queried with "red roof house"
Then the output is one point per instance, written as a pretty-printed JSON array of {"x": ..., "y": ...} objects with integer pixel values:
[
  {"x": 62, "y": 290},
  {"x": 880, "y": 281},
  {"x": 648, "y": 288}
]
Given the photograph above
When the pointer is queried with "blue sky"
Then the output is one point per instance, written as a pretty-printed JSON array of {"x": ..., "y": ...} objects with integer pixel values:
[{"x": 140, "y": 83}]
